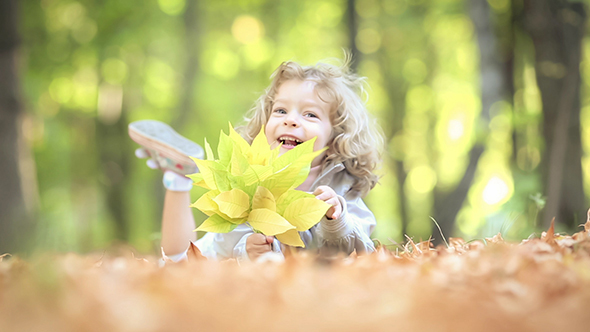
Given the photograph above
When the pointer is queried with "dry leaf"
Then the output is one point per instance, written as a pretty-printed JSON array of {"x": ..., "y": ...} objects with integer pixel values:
[{"x": 194, "y": 254}]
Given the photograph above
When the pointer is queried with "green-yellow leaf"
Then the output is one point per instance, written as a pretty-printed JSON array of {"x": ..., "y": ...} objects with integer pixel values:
[
  {"x": 237, "y": 182},
  {"x": 206, "y": 204},
  {"x": 291, "y": 238},
  {"x": 304, "y": 213},
  {"x": 262, "y": 171},
  {"x": 268, "y": 222},
  {"x": 263, "y": 199},
  {"x": 303, "y": 149},
  {"x": 224, "y": 149},
  {"x": 283, "y": 180},
  {"x": 289, "y": 197},
  {"x": 238, "y": 164},
  {"x": 221, "y": 180},
  {"x": 210, "y": 155},
  {"x": 207, "y": 168},
  {"x": 250, "y": 176},
  {"x": 216, "y": 224},
  {"x": 234, "y": 203}
]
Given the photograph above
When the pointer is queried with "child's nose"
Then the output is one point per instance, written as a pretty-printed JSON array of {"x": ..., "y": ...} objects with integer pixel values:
[{"x": 292, "y": 119}]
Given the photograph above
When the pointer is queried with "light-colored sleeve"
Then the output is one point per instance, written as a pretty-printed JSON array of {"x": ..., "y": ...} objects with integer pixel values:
[
  {"x": 218, "y": 246},
  {"x": 351, "y": 231}
]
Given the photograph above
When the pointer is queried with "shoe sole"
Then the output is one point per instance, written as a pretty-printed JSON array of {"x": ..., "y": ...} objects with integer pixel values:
[{"x": 167, "y": 143}]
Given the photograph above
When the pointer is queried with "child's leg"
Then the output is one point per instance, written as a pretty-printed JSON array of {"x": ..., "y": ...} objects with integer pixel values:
[
  {"x": 177, "y": 223},
  {"x": 169, "y": 151}
]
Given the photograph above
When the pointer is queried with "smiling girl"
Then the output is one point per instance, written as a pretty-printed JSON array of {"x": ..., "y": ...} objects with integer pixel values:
[{"x": 322, "y": 101}]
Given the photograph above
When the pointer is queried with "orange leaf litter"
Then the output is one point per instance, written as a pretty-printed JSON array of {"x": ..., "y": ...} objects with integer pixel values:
[{"x": 536, "y": 285}]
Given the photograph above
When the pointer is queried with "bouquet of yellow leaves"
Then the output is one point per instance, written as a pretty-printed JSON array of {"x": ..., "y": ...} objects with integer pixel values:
[{"x": 252, "y": 184}]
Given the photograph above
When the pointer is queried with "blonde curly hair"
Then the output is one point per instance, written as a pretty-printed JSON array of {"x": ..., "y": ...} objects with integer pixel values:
[{"x": 357, "y": 140}]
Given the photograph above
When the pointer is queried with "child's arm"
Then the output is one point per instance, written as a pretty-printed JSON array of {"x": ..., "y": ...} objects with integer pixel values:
[{"x": 348, "y": 230}]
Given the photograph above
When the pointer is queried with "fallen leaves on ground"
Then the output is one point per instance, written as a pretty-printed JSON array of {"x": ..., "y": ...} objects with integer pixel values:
[{"x": 540, "y": 284}]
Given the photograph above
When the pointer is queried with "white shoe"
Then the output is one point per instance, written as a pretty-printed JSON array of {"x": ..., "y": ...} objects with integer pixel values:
[{"x": 166, "y": 147}]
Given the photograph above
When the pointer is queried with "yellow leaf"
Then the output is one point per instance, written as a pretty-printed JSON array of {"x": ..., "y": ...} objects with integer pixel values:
[
  {"x": 304, "y": 213},
  {"x": 234, "y": 203},
  {"x": 274, "y": 154},
  {"x": 268, "y": 222},
  {"x": 206, "y": 204},
  {"x": 198, "y": 180},
  {"x": 288, "y": 197},
  {"x": 260, "y": 149},
  {"x": 216, "y": 224},
  {"x": 196, "y": 177},
  {"x": 291, "y": 238},
  {"x": 263, "y": 199},
  {"x": 239, "y": 141}
]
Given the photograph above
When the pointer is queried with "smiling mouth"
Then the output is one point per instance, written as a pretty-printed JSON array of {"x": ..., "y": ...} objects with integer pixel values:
[{"x": 289, "y": 141}]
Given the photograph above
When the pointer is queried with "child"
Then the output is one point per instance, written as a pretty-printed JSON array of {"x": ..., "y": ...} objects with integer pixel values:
[{"x": 320, "y": 101}]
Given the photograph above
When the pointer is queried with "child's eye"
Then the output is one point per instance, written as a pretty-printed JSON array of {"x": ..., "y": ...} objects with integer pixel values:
[
  {"x": 280, "y": 111},
  {"x": 311, "y": 115}
]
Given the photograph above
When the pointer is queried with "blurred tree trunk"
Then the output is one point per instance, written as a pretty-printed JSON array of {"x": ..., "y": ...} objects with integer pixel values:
[
  {"x": 113, "y": 145},
  {"x": 493, "y": 89},
  {"x": 17, "y": 181},
  {"x": 191, "y": 45},
  {"x": 352, "y": 31},
  {"x": 557, "y": 28},
  {"x": 393, "y": 124}
]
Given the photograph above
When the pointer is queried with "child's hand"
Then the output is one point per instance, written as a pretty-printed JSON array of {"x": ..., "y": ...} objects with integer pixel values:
[
  {"x": 258, "y": 244},
  {"x": 329, "y": 196}
]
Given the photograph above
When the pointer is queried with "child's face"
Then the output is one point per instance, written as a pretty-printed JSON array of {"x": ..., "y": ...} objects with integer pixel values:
[{"x": 298, "y": 115}]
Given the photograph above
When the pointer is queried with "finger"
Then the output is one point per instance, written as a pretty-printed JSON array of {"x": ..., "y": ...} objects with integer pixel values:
[
  {"x": 260, "y": 249},
  {"x": 258, "y": 239},
  {"x": 142, "y": 153},
  {"x": 325, "y": 196},
  {"x": 334, "y": 201},
  {"x": 337, "y": 212},
  {"x": 330, "y": 213},
  {"x": 270, "y": 239},
  {"x": 319, "y": 190}
]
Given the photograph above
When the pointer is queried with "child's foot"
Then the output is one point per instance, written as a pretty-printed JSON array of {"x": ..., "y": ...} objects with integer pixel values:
[{"x": 166, "y": 147}]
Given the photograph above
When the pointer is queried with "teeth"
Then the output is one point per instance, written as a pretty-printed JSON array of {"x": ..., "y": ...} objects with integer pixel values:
[{"x": 290, "y": 139}]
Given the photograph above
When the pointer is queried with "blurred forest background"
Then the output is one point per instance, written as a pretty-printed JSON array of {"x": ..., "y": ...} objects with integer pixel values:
[{"x": 481, "y": 101}]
